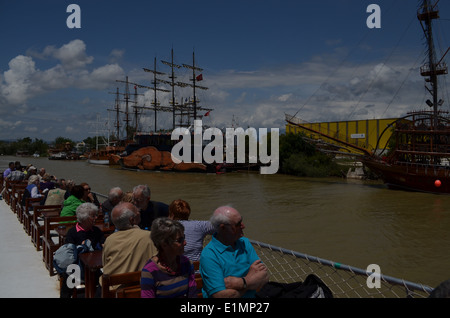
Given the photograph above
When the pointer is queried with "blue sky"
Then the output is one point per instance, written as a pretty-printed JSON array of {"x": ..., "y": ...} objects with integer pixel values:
[{"x": 260, "y": 59}]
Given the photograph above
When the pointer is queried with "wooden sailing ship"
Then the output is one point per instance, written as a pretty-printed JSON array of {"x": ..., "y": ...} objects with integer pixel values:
[
  {"x": 152, "y": 150},
  {"x": 419, "y": 159}
]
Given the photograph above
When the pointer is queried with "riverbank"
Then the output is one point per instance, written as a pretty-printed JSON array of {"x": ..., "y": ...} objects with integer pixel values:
[{"x": 22, "y": 271}]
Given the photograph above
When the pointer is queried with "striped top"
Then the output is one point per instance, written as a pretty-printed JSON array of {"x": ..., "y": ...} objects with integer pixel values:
[
  {"x": 156, "y": 283},
  {"x": 195, "y": 232}
]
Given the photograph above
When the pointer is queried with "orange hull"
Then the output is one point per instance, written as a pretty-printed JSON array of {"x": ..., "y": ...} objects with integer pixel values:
[{"x": 150, "y": 158}]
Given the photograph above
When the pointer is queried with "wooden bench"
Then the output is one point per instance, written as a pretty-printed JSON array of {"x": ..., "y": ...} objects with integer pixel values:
[
  {"x": 17, "y": 190},
  {"x": 18, "y": 207},
  {"x": 37, "y": 222},
  {"x": 26, "y": 213},
  {"x": 49, "y": 246},
  {"x": 7, "y": 196},
  {"x": 129, "y": 285}
]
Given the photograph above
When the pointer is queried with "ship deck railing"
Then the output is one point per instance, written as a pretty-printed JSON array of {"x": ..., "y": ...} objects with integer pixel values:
[
  {"x": 445, "y": 165},
  {"x": 287, "y": 266}
]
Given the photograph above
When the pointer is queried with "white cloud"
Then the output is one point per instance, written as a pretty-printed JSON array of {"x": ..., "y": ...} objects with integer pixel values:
[
  {"x": 23, "y": 80},
  {"x": 16, "y": 85},
  {"x": 100, "y": 78},
  {"x": 72, "y": 55},
  {"x": 116, "y": 55}
]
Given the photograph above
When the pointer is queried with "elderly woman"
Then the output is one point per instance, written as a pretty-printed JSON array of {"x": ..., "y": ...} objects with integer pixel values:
[
  {"x": 33, "y": 186},
  {"x": 195, "y": 231},
  {"x": 168, "y": 274},
  {"x": 32, "y": 189},
  {"x": 85, "y": 227},
  {"x": 83, "y": 230}
]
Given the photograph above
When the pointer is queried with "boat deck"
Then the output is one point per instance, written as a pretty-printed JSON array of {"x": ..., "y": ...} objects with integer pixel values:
[{"x": 22, "y": 271}]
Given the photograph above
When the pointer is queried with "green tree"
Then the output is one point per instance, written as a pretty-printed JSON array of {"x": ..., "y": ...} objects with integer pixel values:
[
  {"x": 300, "y": 158},
  {"x": 60, "y": 142}
]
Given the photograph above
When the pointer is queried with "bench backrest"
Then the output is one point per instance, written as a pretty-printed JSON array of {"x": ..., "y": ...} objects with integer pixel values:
[{"x": 129, "y": 285}]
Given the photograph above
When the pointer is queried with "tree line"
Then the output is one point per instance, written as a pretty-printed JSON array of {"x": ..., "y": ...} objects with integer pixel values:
[{"x": 38, "y": 146}]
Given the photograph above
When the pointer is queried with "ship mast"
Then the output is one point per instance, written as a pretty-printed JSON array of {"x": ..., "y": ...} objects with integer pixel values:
[
  {"x": 172, "y": 84},
  {"x": 431, "y": 70},
  {"x": 127, "y": 98},
  {"x": 194, "y": 78},
  {"x": 117, "y": 111},
  {"x": 155, "y": 81}
]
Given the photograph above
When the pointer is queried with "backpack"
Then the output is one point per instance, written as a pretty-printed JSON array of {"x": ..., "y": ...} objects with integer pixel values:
[
  {"x": 68, "y": 254},
  {"x": 312, "y": 287}
]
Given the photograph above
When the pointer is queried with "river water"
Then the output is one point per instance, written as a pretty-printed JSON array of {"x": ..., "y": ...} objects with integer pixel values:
[{"x": 352, "y": 222}]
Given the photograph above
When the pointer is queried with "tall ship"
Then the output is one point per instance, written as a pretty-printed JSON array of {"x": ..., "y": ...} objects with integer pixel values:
[
  {"x": 419, "y": 154},
  {"x": 152, "y": 150}
]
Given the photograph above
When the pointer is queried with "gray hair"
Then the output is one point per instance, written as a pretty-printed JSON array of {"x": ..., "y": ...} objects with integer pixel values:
[
  {"x": 122, "y": 221},
  {"x": 164, "y": 230},
  {"x": 70, "y": 183},
  {"x": 144, "y": 188},
  {"x": 84, "y": 211},
  {"x": 220, "y": 217},
  {"x": 33, "y": 179},
  {"x": 115, "y": 193}
]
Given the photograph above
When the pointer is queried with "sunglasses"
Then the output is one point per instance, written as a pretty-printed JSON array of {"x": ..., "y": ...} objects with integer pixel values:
[{"x": 180, "y": 240}]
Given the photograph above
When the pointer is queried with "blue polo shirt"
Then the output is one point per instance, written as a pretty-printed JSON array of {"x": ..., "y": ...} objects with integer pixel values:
[{"x": 218, "y": 261}]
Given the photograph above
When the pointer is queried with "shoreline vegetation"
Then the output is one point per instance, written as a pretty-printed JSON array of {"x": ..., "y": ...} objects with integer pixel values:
[{"x": 297, "y": 157}]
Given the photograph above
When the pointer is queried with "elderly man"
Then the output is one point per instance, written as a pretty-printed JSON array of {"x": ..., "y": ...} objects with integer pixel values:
[
  {"x": 31, "y": 171},
  {"x": 41, "y": 174},
  {"x": 115, "y": 195},
  {"x": 150, "y": 210},
  {"x": 129, "y": 248},
  {"x": 229, "y": 265}
]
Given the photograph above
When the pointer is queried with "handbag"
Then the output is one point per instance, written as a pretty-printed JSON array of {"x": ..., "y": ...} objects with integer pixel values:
[{"x": 312, "y": 287}]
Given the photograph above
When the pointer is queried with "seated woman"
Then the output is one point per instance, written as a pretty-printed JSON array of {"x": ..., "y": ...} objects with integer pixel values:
[
  {"x": 194, "y": 230},
  {"x": 46, "y": 183},
  {"x": 88, "y": 196},
  {"x": 168, "y": 274},
  {"x": 83, "y": 230},
  {"x": 32, "y": 189},
  {"x": 85, "y": 227},
  {"x": 71, "y": 204}
]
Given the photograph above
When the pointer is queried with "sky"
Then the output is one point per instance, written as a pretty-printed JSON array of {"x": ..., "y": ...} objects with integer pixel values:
[{"x": 261, "y": 59}]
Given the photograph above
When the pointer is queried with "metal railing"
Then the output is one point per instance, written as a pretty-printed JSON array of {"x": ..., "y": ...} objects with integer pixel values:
[{"x": 286, "y": 266}]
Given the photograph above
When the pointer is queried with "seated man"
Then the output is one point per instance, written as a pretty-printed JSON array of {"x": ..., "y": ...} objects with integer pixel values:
[
  {"x": 55, "y": 196},
  {"x": 229, "y": 265},
  {"x": 129, "y": 248},
  {"x": 150, "y": 210},
  {"x": 115, "y": 195}
]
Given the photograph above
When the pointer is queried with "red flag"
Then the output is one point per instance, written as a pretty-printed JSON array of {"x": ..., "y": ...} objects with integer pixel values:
[
  {"x": 199, "y": 78},
  {"x": 207, "y": 114}
]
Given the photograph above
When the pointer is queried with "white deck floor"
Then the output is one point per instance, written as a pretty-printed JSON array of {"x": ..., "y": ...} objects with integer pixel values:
[{"x": 22, "y": 271}]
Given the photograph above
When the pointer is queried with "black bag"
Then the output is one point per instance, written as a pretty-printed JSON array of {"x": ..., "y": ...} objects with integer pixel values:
[
  {"x": 312, "y": 287},
  {"x": 26, "y": 194}
]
